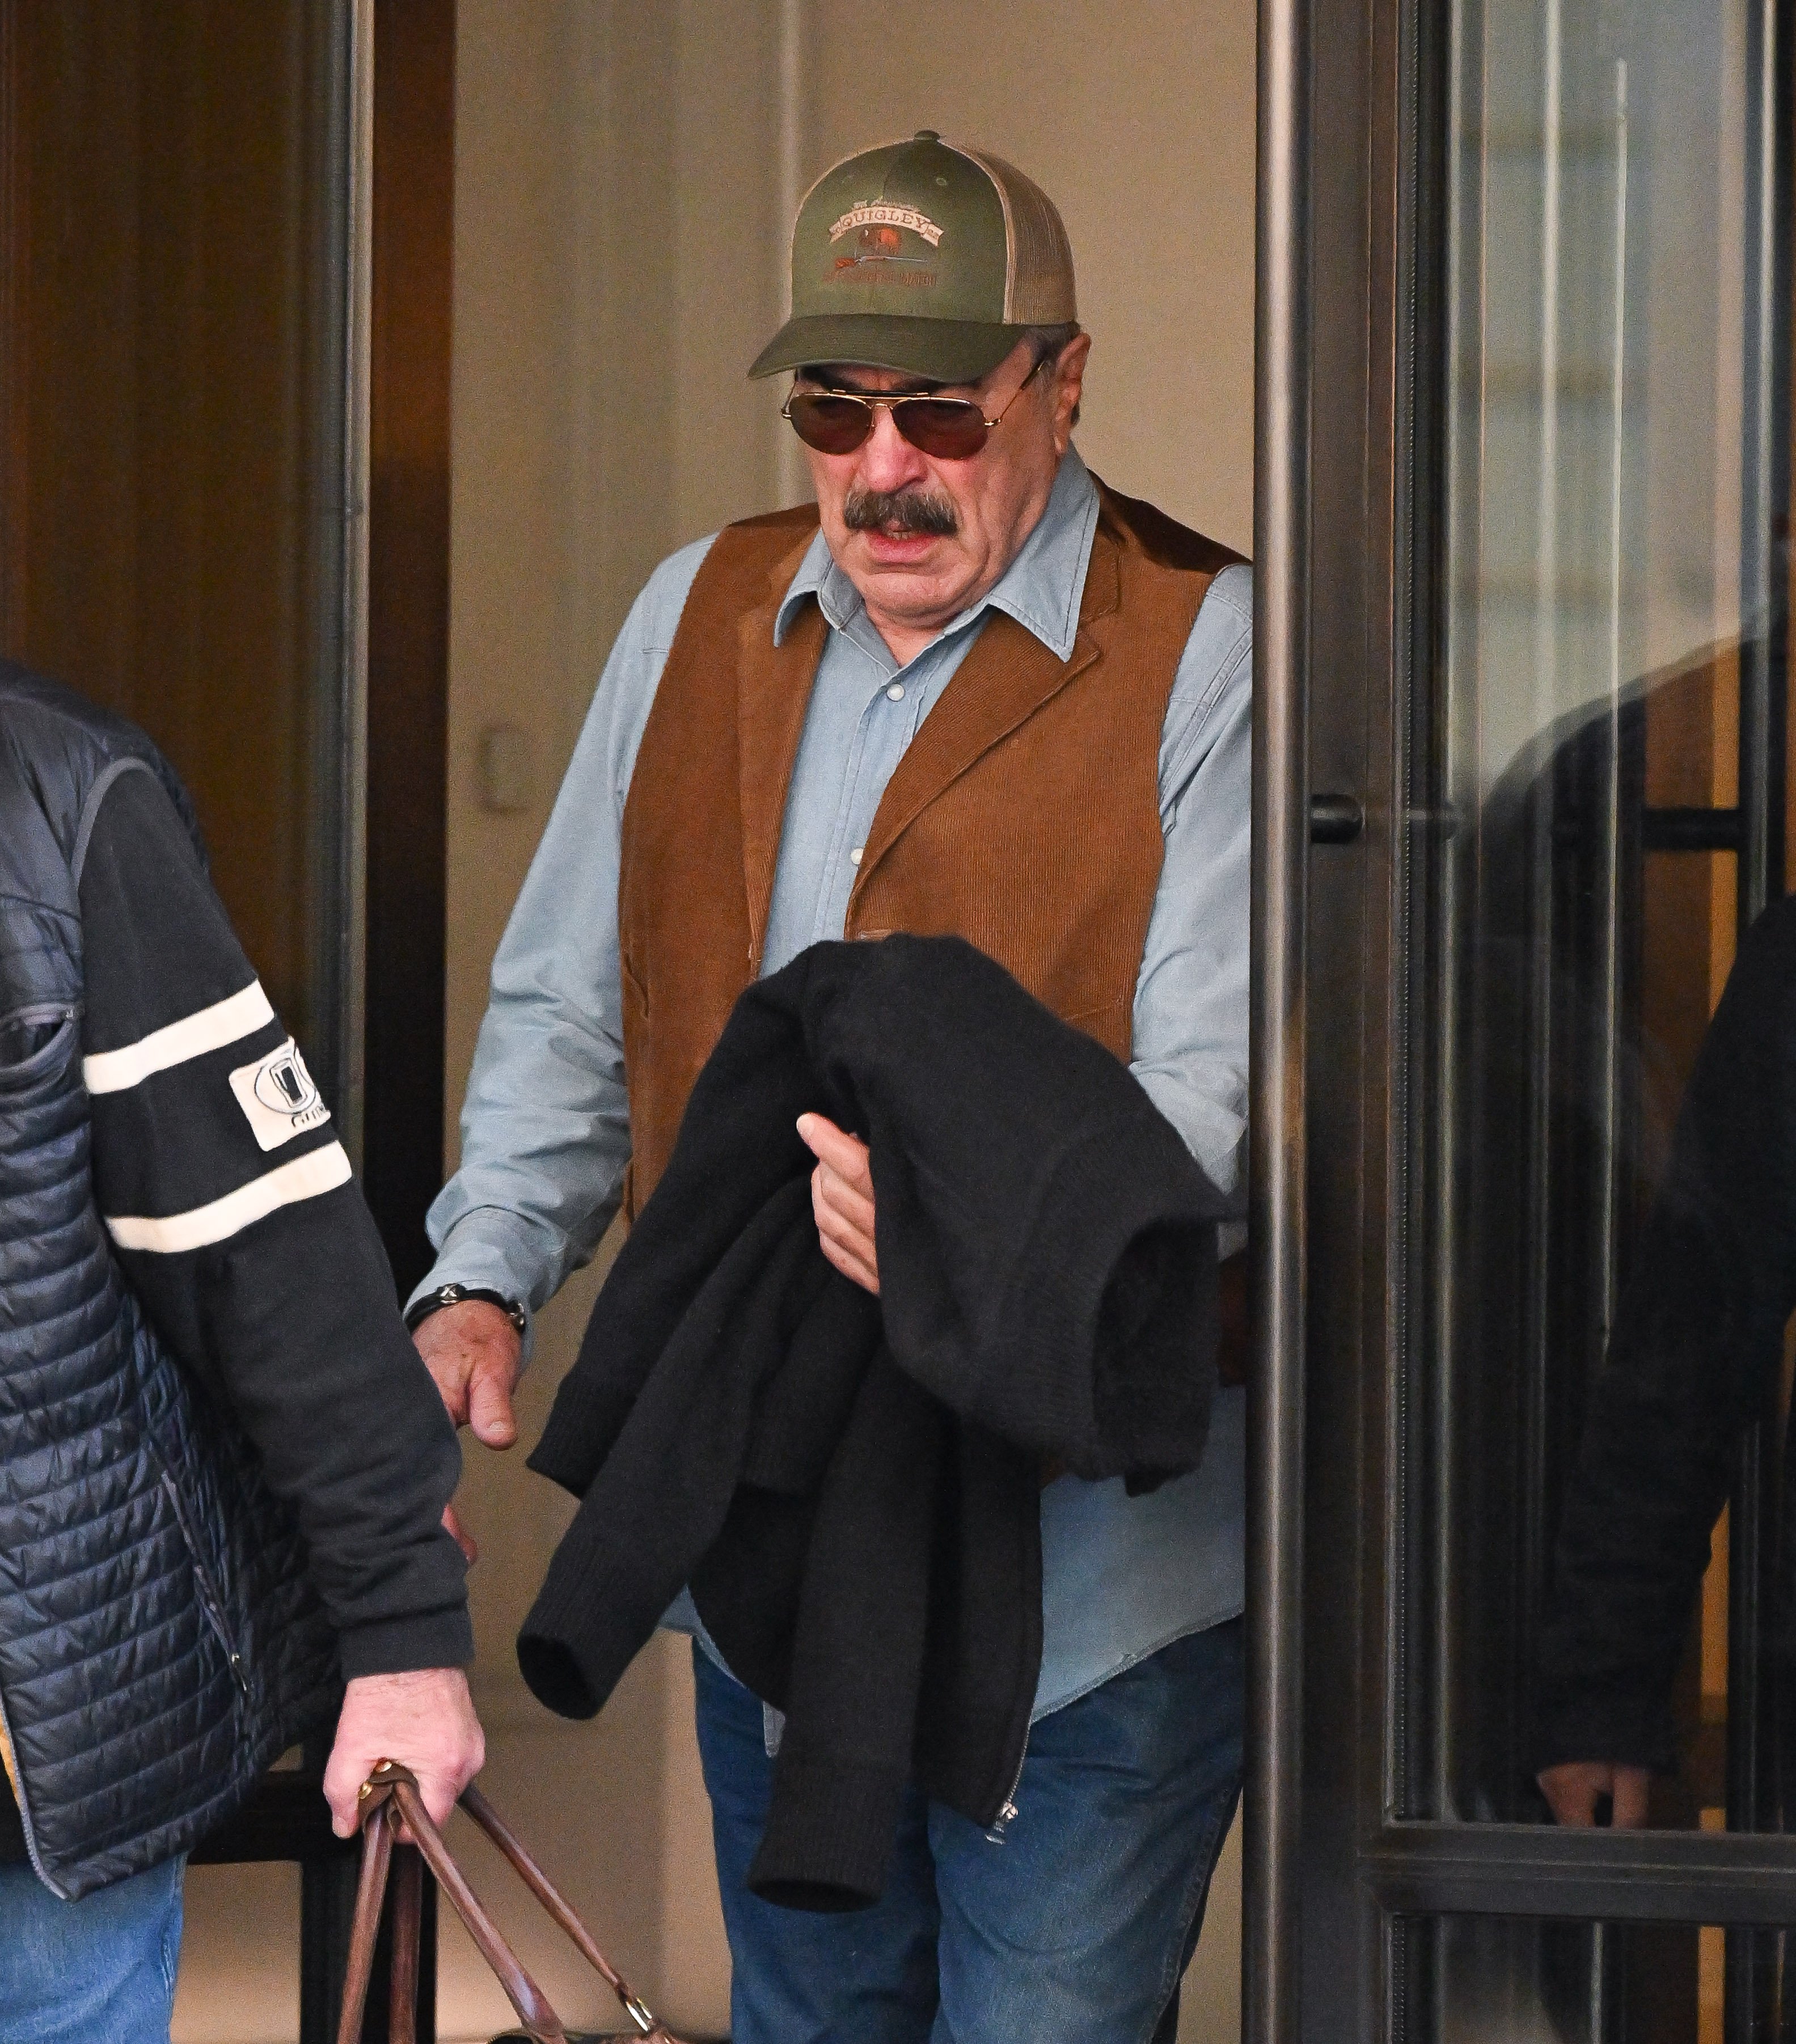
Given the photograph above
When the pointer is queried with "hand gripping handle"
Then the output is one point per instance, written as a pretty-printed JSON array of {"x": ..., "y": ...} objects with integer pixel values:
[{"x": 390, "y": 1795}]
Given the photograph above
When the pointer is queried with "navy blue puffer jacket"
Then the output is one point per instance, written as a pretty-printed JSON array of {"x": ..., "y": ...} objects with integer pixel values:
[{"x": 160, "y": 1642}]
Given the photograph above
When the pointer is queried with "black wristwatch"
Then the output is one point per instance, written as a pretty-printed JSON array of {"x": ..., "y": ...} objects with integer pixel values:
[{"x": 421, "y": 1310}]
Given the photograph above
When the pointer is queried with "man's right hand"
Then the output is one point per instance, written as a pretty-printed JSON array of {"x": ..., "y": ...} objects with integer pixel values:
[
  {"x": 473, "y": 1353},
  {"x": 1574, "y": 1786}
]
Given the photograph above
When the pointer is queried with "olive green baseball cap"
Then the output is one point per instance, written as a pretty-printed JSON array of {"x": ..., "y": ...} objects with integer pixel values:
[{"x": 925, "y": 257}]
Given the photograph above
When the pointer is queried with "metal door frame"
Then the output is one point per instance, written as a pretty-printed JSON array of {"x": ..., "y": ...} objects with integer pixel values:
[{"x": 1341, "y": 422}]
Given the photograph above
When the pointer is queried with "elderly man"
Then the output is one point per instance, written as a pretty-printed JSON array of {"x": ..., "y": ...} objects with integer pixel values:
[{"x": 971, "y": 692}]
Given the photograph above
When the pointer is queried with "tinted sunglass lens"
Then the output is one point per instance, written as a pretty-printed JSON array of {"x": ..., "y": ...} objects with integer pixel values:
[
  {"x": 832, "y": 425},
  {"x": 949, "y": 428}
]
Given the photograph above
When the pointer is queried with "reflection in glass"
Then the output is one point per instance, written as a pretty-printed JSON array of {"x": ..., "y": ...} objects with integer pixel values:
[
  {"x": 1596, "y": 790},
  {"x": 1493, "y": 1980}
]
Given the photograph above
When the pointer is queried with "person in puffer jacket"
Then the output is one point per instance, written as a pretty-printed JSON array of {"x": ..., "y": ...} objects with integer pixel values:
[{"x": 223, "y": 1469}]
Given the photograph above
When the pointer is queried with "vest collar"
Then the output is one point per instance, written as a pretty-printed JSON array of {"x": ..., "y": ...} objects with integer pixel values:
[{"x": 1002, "y": 682}]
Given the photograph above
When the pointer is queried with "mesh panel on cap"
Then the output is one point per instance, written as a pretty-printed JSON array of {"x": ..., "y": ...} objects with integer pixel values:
[{"x": 1039, "y": 290}]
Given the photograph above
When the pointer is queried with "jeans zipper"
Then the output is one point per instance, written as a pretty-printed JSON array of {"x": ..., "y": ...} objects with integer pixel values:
[
  {"x": 1007, "y": 1812},
  {"x": 210, "y": 1602}
]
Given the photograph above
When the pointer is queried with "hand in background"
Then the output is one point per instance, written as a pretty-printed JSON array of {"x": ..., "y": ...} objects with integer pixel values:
[
  {"x": 473, "y": 1353},
  {"x": 1573, "y": 1787},
  {"x": 424, "y": 1720},
  {"x": 842, "y": 1194}
]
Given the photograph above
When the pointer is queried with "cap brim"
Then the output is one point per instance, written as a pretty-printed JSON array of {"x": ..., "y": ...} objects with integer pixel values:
[{"x": 944, "y": 350}]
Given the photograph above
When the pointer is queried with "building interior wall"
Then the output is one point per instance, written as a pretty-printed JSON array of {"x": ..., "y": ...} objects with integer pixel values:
[{"x": 624, "y": 175}]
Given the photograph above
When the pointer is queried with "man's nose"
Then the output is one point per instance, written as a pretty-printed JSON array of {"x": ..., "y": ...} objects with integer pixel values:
[{"x": 888, "y": 461}]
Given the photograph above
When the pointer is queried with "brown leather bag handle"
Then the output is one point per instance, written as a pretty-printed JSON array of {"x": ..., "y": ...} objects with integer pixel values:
[{"x": 390, "y": 1797}]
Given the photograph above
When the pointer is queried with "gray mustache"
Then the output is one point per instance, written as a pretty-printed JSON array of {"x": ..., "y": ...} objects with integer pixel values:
[{"x": 900, "y": 511}]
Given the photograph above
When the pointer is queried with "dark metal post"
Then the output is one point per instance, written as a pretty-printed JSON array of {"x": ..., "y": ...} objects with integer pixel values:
[
  {"x": 327, "y": 1902},
  {"x": 1272, "y": 1977},
  {"x": 1751, "y": 1770}
]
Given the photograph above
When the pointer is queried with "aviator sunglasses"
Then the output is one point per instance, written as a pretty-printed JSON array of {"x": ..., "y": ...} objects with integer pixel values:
[{"x": 945, "y": 428}]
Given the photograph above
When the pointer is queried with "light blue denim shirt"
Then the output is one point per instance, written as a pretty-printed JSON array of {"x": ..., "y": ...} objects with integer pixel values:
[{"x": 545, "y": 1127}]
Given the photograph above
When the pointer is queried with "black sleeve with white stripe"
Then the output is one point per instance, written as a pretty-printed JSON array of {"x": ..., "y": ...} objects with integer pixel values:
[{"x": 232, "y": 1209}]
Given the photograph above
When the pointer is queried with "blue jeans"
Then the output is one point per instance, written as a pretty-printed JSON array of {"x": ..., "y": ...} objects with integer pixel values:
[
  {"x": 1078, "y": 1925},
  {"x": 98, "y": 1971}
]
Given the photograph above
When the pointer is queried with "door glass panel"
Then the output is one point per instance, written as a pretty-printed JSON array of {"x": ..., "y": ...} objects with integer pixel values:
[
  {"x": 172, "y": 522},
  {"x": 1596, "y": 797},
  {"x": 1499, "y": 1980}
]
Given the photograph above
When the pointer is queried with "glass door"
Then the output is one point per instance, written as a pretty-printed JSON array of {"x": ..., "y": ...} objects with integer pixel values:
[{"x": 1523, "y": 1273}]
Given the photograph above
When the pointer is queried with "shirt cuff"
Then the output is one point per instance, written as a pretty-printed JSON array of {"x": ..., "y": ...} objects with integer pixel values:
[{"x": 489, "y": 1250}]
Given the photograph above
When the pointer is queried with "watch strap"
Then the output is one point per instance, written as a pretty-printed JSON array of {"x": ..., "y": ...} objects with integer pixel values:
[{"x": 420, "y": 1310}]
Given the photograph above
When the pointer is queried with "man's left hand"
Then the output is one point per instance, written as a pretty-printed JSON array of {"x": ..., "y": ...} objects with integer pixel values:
[{"x": 841, "y": 1197}]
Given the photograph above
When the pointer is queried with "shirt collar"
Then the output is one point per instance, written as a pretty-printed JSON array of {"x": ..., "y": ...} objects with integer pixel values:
[{"x": 1040, "y": 589}]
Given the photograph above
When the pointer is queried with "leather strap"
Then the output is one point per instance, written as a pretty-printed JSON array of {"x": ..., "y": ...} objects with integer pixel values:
[{"x": 390, "y": 1797}]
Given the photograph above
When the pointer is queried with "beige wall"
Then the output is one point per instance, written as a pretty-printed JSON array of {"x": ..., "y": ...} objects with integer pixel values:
[{"x": 616, "y": 262}]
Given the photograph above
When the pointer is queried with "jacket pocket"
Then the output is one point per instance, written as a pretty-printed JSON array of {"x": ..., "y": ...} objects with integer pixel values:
[
  {"x": 36, "y": 1042},
  {"x": 205, "y": 1582}
]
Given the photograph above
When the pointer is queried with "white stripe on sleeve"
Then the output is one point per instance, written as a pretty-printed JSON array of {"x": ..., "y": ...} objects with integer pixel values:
[
  {"x": 224, "y": 1022},
  {"x": 305, "y": 1178}
]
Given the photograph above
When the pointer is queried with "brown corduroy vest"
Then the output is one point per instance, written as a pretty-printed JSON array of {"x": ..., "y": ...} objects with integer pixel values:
[{"x": 1025, "y": 815}]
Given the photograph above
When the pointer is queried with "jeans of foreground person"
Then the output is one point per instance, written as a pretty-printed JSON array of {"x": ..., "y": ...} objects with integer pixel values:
[
  {"x": 1122, "y": 1810},
  {"x": 99, "y": 1971}
]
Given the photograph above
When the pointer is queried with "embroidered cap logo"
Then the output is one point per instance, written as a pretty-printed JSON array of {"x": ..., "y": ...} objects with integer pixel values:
[{"x": 878, "y": 213}]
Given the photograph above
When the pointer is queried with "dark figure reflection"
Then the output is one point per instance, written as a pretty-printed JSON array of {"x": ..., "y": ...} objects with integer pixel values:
[{"x": 1601, "y": 1272}]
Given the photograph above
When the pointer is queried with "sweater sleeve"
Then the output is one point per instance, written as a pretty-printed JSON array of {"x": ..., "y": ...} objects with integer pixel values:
[
  {"x": 1694, "y": 1356},
  {"x": 234, "y": 1215}
]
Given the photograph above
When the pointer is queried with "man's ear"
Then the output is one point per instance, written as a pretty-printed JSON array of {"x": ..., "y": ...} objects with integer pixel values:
[{"x": 1069, "y": 381}]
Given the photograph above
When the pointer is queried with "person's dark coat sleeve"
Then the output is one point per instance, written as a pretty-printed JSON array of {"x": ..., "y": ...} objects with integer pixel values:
[
  {"x": 1695, "y": 1356},
  {"x": 234, "y": 1214}
]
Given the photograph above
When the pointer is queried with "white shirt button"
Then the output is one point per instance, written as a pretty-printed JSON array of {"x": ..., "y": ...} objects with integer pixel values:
[
  {"x": 895, "y": 693},
  {"x": 854, "y": 856}
]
